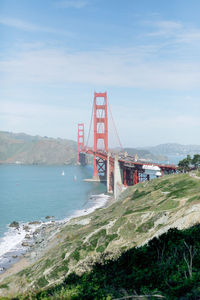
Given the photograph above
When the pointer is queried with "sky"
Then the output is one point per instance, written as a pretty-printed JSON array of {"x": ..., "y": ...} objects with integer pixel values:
[{"x": 145, "y": 53}]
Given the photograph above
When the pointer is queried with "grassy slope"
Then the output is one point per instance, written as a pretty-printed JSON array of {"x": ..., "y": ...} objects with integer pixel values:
[
  {"x": 144, "y": 211},
  {"x": 168, "y": 266}
]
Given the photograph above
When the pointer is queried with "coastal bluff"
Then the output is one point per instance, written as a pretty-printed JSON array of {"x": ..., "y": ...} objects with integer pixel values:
[{"x": 141, "y": 213}]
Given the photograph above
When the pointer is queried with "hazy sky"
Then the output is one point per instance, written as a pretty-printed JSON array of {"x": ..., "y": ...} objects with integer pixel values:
[{"x": 144, "y": 53}]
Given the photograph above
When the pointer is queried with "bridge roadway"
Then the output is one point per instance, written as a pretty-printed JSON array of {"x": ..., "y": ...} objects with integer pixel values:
[{"x": 129, "y": 160}]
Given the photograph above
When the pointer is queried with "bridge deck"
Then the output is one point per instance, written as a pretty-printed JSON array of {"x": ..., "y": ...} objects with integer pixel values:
[{"x": 128, "y": 160}]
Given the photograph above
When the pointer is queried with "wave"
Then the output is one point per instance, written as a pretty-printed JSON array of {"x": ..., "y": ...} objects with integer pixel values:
[{"x": 11, "y": 244}]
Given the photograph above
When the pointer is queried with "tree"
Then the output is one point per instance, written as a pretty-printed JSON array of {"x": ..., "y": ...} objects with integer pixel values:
[
  {"x": 184, "y": 165},
  {"x": 196, "y": 161}
]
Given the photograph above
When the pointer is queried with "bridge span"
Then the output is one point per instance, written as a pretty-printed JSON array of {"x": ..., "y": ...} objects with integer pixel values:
[{"x": 117, "y": 169}]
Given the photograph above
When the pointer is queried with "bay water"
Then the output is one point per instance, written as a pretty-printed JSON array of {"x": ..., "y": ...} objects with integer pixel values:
[{"x": 31, "y": 193}]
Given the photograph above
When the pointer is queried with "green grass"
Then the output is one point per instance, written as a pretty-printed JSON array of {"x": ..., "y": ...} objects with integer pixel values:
[
  {"x": 198, "y": 173},
  {"x": 127, "y": 231},
  {"x": 139, "y": 194},
  {"x": 111, "y": 237},
  {"x": 162, "y": 184},
  {"x": 120, "y": 221},
  {"x": 101, "y": 248},
  {"x": 167, "y": 205},
  {"x": 142, "y": 209},
  {"x": 95, "y": 237},
  {"x": 4, "y": 286},
  {"x": 145, "y": 226},
  {"x": 25, "y": 272},
  {"x": 48, "y": 263},
  {"x": 128, "y": 212},
  {"x": 194, "y": 198},
  {"x": 162, "y": 201},
  {"x": 42, "y": 282},
  {"x": 59, "y": 270},
  {"x": 76, "y": 255}
]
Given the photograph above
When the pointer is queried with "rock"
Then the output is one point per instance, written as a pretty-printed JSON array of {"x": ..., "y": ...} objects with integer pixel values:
[
  {"x": 34, "y": 223},
  {"x": 26, "y": 227},
  {"x": 24, "y": 244},
  {"x": 27, "y": 236},
  {"x": 49, "y": 217},
  {"x": 14, "y": 224},
  {"x": 37, "y": 231},
  {"x": 14, "y": 256}
]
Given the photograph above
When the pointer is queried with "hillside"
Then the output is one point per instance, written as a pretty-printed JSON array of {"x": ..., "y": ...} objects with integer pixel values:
[
  {"x": 27, "y": 149},
  {"x": 173, "y": 149},
  {"x": 144, "y": 154},
  {"x": 140, "y": 214},
  {"x": 165, "y": 268},
  {"x": 21, "y": 148}
]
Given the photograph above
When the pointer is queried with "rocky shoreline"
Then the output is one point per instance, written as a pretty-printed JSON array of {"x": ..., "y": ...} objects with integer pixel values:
[
  {"x": 36, "y": 243},
  {"x": 33, "y": 241}
]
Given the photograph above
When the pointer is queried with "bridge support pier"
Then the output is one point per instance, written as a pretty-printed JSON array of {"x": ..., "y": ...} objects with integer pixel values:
[
  {"x": 110, "y": 174},
  {"x": 118, "y": 185}
]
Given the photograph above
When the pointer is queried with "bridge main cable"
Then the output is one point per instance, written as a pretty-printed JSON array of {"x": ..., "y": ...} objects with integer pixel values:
[{"x": 90, "y": 125}]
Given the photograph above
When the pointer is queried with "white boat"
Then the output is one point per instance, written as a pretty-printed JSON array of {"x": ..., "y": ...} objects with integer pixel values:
[
  {"x": 75, "y": 178},
  {"x": 63, "y": 173}
]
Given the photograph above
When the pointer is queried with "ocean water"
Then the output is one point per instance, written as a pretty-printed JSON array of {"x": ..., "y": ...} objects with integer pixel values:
[
  {"x": 174, "y": 159},
  {"x": 30, "y": 193}
]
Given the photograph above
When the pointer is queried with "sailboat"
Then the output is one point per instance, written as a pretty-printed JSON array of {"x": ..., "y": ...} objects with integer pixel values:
[
  {"x": 75, "y": 178},
  {"x": 63, "y": 173}
]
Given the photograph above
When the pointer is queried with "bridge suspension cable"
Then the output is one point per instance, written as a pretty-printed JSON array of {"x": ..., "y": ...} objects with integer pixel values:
[
  {"x": 91, "y": 121},
  {"x": 115, "y": 128}
]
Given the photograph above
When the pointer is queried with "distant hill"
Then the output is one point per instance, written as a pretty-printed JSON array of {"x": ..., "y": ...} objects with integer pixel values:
[
  {"x": 146, "y": 154},
  {"x": 27, "y": 149},
  {"x": 173, "y": 149}
]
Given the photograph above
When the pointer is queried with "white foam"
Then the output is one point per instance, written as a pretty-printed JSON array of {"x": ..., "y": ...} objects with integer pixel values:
[
  {"x": 100, "y": 200},
  {"x": 13, "y": 238}
]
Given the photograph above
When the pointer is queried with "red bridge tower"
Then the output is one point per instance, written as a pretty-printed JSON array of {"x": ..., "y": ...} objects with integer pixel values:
[
  {"x": 80, "y": 144},
  {"x": 100, "y": 132}
]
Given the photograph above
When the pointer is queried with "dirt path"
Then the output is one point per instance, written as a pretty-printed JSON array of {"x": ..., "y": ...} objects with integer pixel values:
[{"x": 194, "y": 176}]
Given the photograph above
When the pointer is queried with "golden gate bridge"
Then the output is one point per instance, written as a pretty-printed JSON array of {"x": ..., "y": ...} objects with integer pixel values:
[{"x": 116, "y": 168}]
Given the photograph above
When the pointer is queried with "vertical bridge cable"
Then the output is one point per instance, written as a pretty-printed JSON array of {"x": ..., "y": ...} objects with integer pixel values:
[
  {"x": 90, "y": 125},
  {"x": 115, "y": 128}
]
